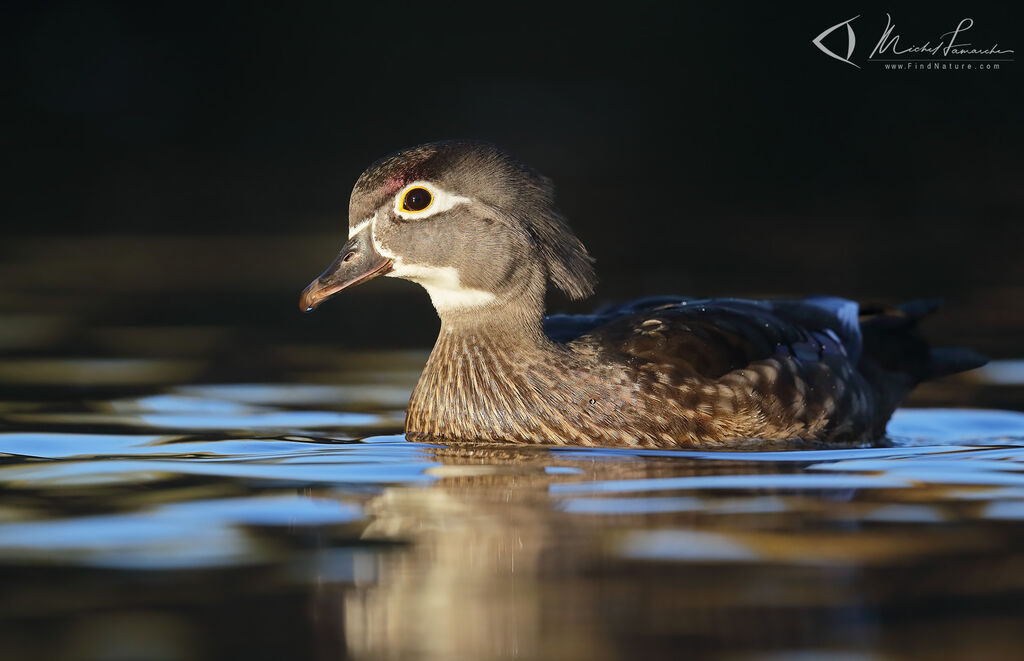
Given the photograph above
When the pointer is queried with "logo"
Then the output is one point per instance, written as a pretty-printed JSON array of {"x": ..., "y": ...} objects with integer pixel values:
[
  {"x": 950, "y": 50},
  {"x": 851, "y": 40}
]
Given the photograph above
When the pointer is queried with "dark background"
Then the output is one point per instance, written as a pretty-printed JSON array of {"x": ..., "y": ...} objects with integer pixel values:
[{"x": 174, "y": 162}]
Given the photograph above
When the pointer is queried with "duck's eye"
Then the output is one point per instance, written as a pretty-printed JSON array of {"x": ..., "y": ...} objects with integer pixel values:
[{"x": 416, "y": 199}]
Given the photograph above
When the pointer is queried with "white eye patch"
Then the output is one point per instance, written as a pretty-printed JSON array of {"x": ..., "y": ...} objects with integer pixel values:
[{"x": 422, "y": 199}]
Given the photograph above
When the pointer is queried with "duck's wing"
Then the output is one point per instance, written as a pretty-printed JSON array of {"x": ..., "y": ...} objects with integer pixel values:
[
  {"x": 712, "y": 337},
  {"x": 817, "y": 366}
]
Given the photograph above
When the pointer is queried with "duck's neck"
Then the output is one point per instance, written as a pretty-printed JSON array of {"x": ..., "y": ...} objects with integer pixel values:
[
  {"x": 511, "y": 320},
  {"x": 509, "y": 327},
  {"x": 484, "y": 370}
]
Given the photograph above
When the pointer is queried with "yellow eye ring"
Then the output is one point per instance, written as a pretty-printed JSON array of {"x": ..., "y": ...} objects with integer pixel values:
[{"x": 416, "y": 200}]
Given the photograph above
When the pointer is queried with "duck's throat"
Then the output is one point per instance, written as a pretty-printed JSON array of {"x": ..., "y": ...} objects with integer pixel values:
[
  {"x": 484, "y": 381},
  {"x": 494, "y": 376},
  {"x": 512, "y": 315}
]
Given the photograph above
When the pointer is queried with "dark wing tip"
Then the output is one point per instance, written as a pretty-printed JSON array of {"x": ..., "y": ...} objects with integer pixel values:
[{"x": 952, "y": 360}]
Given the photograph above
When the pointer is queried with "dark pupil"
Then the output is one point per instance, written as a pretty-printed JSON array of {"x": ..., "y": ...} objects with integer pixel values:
[{"x": 417, "y": 199}]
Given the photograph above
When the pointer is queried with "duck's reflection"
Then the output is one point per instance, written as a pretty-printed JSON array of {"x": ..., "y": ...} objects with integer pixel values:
[
  {"x": 495, "y": 568},
  {"x": 497, "y": 565},
  {"x": 472, "y": 585}
]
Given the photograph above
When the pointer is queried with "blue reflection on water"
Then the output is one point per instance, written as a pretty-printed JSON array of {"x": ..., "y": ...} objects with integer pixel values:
[
  {"x": 190, "y": 534},
  {"x": 977, "y": 452}
]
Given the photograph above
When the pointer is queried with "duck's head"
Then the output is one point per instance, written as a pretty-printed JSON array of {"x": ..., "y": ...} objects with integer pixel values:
[{"x": 463, "y": 219}]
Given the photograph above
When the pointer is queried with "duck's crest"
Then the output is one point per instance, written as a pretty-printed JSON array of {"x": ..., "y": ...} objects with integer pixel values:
[
  {"x": 570, "y": 266},
  {"x": 532, "y": 197}
]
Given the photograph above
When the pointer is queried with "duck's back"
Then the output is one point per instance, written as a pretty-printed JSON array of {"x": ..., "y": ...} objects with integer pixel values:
[{"x": 817, "y": 368}]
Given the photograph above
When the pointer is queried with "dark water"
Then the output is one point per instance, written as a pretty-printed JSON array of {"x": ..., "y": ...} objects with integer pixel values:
[{"x": 238, "y": 488}]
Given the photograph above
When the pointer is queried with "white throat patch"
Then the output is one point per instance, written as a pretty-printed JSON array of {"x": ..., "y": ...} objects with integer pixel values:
[
  {"x": 441, "y": 282},
  {"x": 443, "y": 285}
]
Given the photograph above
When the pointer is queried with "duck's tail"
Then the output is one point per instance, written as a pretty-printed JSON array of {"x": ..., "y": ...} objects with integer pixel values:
[
  {"x": 952, "y": 360},
  {"x": 891, "y": 338},
  {"x": 896, "y": 358}
]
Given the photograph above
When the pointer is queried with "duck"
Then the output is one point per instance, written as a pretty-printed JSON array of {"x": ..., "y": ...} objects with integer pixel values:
[{"x": 481, "y": 233}]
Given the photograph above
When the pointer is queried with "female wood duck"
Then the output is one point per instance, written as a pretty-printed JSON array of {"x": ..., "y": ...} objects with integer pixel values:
[{"x": 480, "y": 232}]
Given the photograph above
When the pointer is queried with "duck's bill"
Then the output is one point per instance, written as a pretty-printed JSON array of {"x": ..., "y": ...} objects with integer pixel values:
[{"x": 355, "y": 264}]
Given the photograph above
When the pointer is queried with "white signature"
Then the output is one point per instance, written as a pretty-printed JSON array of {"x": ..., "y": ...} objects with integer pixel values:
[
  {"x": 950, "y": 43},
  {"x": 889, "y": 43}
]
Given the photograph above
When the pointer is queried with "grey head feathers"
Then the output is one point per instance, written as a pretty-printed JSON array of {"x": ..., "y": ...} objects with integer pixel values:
[{"x": 510, "y": 222}]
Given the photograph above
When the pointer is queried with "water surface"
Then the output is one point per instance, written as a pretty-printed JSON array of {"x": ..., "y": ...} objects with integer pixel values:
[{"x": 151, "y": 513}]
